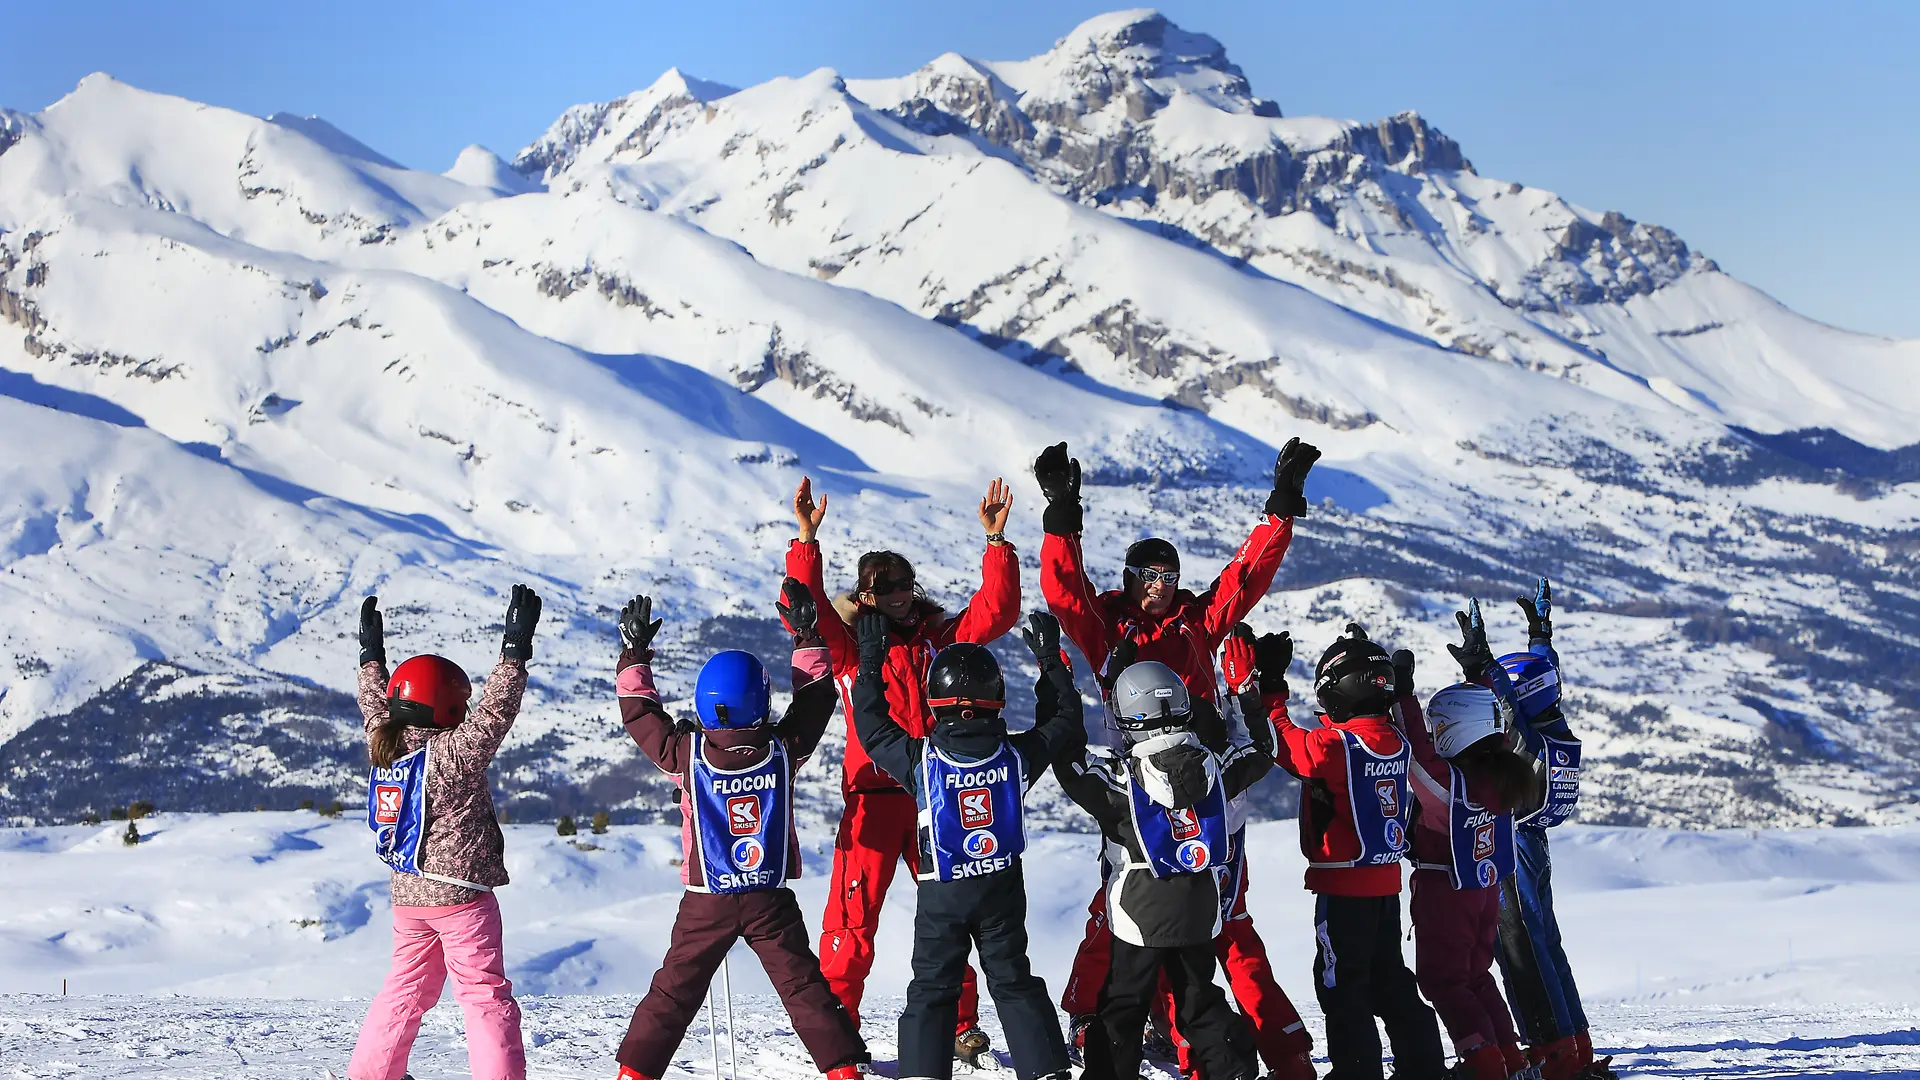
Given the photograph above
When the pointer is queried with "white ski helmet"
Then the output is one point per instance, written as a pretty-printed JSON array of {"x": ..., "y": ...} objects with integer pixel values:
[
  {"x": 1462, "y": 715},
  {"x": 1148, "y": 696}
]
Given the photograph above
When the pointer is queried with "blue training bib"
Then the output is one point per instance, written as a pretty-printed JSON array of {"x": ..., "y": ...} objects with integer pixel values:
[
  {"x": 1562, "y": 758},
  {"x": 397, "y": 810},
  {"x": 1481, "y": 840},
  {"x": 1183, "y": 841},
  {"x": 1377, "y": 799},
  {"x": 742, "y": 821},
  {"x": 974, "y": 818}
]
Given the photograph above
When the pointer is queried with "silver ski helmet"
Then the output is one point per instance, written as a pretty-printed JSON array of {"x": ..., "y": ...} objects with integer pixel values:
[
  {"x": 1462, "y": 715},
  {"x": 1149, "y": 698}
]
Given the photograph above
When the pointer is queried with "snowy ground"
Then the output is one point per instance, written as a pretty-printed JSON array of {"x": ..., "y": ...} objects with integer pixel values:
[{"x": 245, "y": 946}]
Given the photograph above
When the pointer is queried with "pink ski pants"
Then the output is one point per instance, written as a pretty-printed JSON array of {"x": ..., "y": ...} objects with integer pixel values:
[{"x": 429, "y": 942}]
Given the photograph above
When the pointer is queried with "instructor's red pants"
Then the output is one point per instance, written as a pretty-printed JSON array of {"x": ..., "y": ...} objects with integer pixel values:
[
  {"x": 877, "y": 831},
  {"x": 1278, "y": 1031}
]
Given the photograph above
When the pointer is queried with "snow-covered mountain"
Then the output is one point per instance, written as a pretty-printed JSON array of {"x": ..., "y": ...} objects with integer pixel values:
[{"x": 256, "y": 370}]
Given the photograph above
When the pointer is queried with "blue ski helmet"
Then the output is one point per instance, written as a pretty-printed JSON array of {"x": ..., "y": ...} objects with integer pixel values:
[
  {"x": 733, "y": 691},
  {"x": 1536, "y": 684}
]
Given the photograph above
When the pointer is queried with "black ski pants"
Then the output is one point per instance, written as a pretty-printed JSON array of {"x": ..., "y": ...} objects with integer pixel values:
[
  {"x": 707, "y": 926},
  {"x": 951, "y": 920},
  {"x": 1220, "y": 1044},
  {"x": 1358, "y": 974}
]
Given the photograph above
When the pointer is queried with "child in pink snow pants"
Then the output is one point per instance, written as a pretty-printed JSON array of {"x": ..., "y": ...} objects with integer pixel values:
[{"x": 434, "y": 822}]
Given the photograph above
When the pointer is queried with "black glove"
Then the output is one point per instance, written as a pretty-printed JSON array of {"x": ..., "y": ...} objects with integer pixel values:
[
  {"x": 1473, "y": 654},
  {"x": 523, "y": 611},
  {"x": 872, "y": 629},
  {"x": 1539, "y": 614},
  {"x": 1119, "y": 659},
  {"x": 638, "y": 626},
  {"x": 1185, "y": 770},
  {"x": 1289, "y": 497},
  {"x": 1403, "y": 673},
  {"x": 1272, "y": 656},
  {"x": 798, "y": 610},
  {"x": 1042, "y": 634},
  {"x": 1059, "y": 477},
  {"x": 373, "y": 631}
]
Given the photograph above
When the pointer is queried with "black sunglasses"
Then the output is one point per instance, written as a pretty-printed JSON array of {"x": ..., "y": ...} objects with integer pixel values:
[
  {"x": 889, "y": 586},
  {"x": 1148, "y": 575}
]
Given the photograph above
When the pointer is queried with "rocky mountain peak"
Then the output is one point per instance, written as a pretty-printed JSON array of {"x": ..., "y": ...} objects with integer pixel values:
[{"x": 1138, "y": 57}]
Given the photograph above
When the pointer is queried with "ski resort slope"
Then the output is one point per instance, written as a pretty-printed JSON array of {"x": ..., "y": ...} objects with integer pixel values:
[{"x": 223, "y": 945}]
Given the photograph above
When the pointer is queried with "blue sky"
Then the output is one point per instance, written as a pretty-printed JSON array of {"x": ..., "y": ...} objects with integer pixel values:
[{"x": 1779, "y": 138}]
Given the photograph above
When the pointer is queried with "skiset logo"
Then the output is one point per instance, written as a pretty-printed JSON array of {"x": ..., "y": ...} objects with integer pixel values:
[
  {"x": 748, "y": 853},
  {"x": 981, "y": 844},
  {"x": 1186, "y": 826},
  {"x": 1389, "y": 795},
  {"x": 386, "y": 803},
  {"x": 1192, "y": 854},
  {"x": 1483, "y": 843},
  {"x": 743, "y": 815},
  {"x": 976, "y": 808}
]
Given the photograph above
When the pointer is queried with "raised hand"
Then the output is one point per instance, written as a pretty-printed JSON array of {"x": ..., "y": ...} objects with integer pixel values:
[
  {"x": 805, "y": 512},
  {"x": 1119, "y": 659},
  {"x": 872, "y": 629},
  {"x": 1403, "y": 673},
  {"x": 373, "y": 631},
  {"x": 1473, "y": 654},
  {"x": 1273, "y": 654},
  {"x": 1539, "y": 611},
  {"x": 1042, "y": 635},
  {"x": 797, "y": 609},
  {"x": 1239, "y": 660},
  {"x": 638, "y": 626},
  {"x": 1289, "y": 496},
  {"x": 523, "y": 613},
  {"x": 995, "y": 507},
  {"x": 1059, "y": 477}
]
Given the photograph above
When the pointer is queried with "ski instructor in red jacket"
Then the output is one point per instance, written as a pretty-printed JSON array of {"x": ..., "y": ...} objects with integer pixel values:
[
  {"x": 1151, "y": 618},
  {"x": 880, "y": 825}
]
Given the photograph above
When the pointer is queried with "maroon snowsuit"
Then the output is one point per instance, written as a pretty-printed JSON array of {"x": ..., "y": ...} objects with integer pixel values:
[
  {"x": 709, "y": 923},
  {"x": 1455, "y": 930}
]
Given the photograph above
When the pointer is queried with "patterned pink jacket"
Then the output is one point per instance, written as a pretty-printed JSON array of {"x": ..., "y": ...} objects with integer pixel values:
[{"x": 463, "y": 832}]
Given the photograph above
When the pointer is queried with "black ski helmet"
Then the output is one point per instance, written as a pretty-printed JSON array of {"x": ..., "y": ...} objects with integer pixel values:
[
  {"x": 1354, "y": 676},
  {"x": 1152, "y": 551},
  {"x": 965, "y": 688}
]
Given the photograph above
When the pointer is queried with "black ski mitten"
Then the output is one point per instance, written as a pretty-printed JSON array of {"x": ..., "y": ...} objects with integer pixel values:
[
  {"x": 638, "y": 627},
  {"x": 798, "y": 610},
  {"x": 1185, "y": 768},
  {"x": 1119, "y": 659},
  {"x": 1289, "y": 497},
  {"x": 1473, "y": 654},
  {"x": 1059, "y": 477},
  {"x": 1273, "y": 655},
  {"x": 1403, "y": 673},
  {"x": 373, "y": 632},
  {"x": 1539, "y": 612},
  {"x": 872, "y": 629},
  {"x": 1042, "y": 635},
  {"x": 523, "y": 613}
]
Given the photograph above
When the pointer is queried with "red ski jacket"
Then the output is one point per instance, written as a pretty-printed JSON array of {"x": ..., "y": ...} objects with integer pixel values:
[
  {"x": 992, "y": 612},
  {"x": 1327, "y": 833},
  {"x": 1186, "y": 636}
]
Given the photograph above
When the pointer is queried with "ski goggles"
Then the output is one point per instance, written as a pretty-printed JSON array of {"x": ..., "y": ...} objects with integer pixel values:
[{"x": 1148, "y": 575}]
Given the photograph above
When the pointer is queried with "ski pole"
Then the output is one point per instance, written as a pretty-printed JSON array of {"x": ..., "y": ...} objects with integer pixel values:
[
  {"x": 733, "y": 1050},
  {"x": 713, "y": 1032}
]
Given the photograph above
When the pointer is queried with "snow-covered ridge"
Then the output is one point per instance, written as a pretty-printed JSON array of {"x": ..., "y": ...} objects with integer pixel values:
[{"x": 252, "y": 370}]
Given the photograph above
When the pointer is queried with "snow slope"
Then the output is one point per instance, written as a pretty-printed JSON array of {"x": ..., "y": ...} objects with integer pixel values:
[
  {"x": 254, "y": 370},
  {"x": 1723, "y": 953}
]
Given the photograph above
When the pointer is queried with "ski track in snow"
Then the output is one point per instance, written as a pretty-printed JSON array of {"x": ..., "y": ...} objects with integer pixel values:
[{"x": 186, "y": 1038}]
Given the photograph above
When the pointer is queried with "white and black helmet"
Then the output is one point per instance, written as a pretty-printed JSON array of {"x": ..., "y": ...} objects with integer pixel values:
[
  {"x": 1463, "y": 714},
  {"x": 1149, "y": 697}
]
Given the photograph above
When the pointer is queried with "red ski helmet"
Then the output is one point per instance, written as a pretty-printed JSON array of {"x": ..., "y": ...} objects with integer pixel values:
[{"x": 428, "y": 691}]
